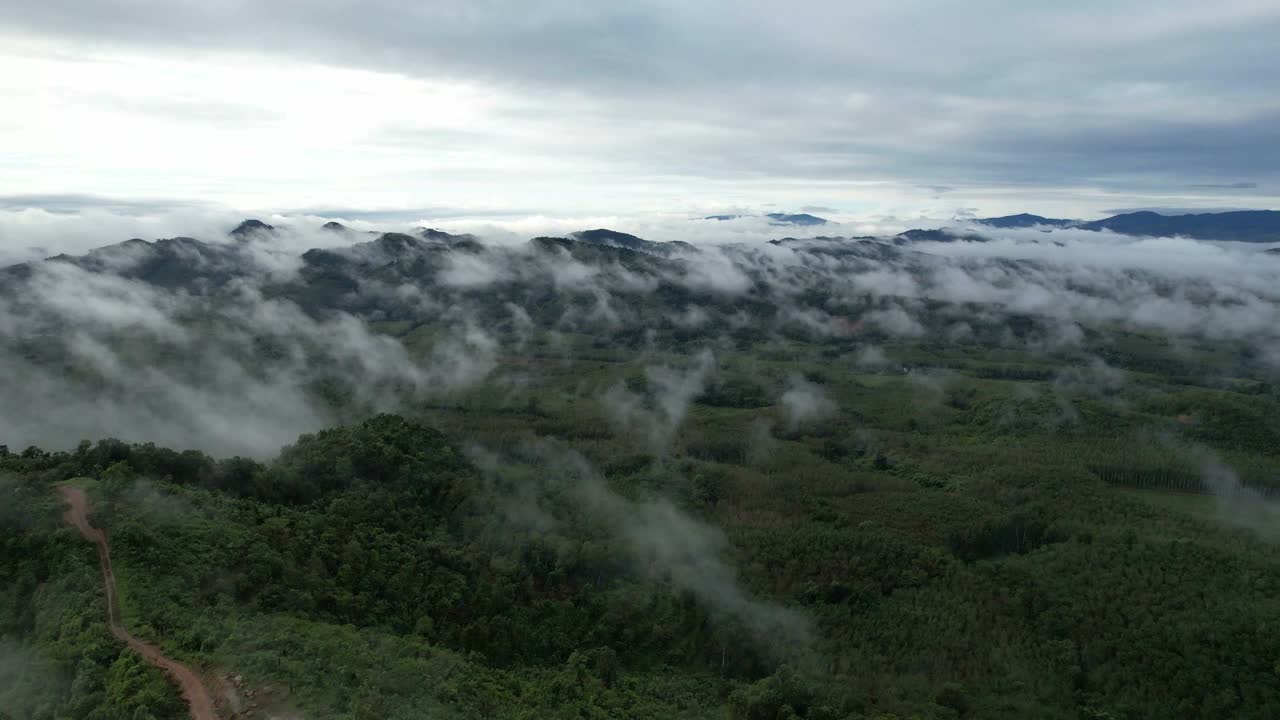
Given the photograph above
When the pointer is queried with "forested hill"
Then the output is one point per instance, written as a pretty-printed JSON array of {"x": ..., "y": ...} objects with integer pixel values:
[{"x": 406, "y": 475}]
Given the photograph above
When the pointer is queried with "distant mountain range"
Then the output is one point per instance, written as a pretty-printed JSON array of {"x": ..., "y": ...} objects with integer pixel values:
[
  {"x": 1239, "y": 226},
  {"x": 1254, "y": 226},
  {"x": 1258, "y": 226},
  {"x": 1024, "y": 220}
]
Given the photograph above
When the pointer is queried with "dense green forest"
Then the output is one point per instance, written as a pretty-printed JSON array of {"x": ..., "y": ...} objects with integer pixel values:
[{"x": 646, "y": 520}]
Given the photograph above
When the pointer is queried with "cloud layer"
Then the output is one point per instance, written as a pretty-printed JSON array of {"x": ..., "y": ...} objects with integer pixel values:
[{"x": 574, "y": 106}]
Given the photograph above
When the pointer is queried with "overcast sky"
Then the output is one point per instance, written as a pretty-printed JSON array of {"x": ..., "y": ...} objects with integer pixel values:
[{"x": 853, "y": 109}]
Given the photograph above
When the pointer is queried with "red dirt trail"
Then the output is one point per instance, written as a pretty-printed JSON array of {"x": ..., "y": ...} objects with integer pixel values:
[{"x": 193, "y": 691}]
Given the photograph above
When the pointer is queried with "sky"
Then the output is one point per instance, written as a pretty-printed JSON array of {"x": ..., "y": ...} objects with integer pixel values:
[{"x": 572, "y": 108}]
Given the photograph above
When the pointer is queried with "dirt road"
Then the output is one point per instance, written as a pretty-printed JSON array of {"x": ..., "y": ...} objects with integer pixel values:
[{"x": 194, "y": 691}]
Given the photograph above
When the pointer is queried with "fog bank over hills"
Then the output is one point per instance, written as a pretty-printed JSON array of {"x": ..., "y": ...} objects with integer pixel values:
[
  {"x": 30, "y": 232},
  {"x": 277, "y": 320}
]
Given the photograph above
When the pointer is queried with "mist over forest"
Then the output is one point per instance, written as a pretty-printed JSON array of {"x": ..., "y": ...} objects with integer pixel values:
[{"x": 770, "y": 469}]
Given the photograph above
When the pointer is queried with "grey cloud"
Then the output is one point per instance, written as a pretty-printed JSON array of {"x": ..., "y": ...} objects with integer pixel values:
[
  {"x": 816, "y": 90},
  {"x": 658, "y": 416},
  {"x": 938, "y": 190},
  {"x": 133, "y": 207},
  {"x": 805, "y": 402},
  {"x": 1238, "y": 504},
  {"x": 77, "y": 203},
  {"x": 1229, "y": 186},
  {"x": 872, "y": 357},
  {"x": 409, "y": 215},
  {"x": 27, "y": 679},
  {"x": 1135, "y": 150},
  {"x": 1168, "y": 210},
  {"x": 897, "y": 321}
]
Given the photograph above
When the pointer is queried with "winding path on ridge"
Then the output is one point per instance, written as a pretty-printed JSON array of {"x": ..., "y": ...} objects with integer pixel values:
[{"x": 193, "y": 691}]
